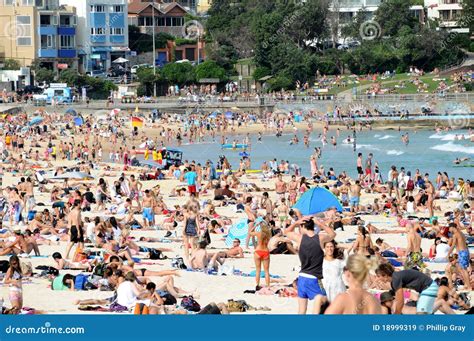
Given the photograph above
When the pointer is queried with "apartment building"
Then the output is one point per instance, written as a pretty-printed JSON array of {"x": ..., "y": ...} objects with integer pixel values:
[
  {"x": 169, "y": 17},
  {"x": 102, "y": 32},
  {"x": 447, "y": 12}
]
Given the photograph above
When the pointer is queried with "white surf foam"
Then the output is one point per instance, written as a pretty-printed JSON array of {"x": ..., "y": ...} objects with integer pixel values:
[
  {"x": 395, "y": 152},
  {"x": 386, "y": 137},
  {"x": 454, "y": 148}
]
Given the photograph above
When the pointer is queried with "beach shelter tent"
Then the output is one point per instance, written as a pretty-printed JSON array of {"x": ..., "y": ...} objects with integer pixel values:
[
  {"x": 316, "y": 200},
  {"x": 240, "y": 231},
  {"x": 35, "y": 120},
  {"x": 71, "y": 111}
]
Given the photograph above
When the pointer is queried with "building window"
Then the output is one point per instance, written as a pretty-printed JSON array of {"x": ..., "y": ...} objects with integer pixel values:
[
  {"x": 23, "y": 28},
  {"x": 45, "y": 20},
  {"x": 66, "y": 42},
  {"x": 66, "y": 21},
  {"x": 100, "y": 31},
  {"x": 168, "y": 21},
  {"x": 117, "y": 9},
  {"x": 98, "y": 8},
  {"x": 116, "y": 31},
  {"x": 27, "y": 2},
  {"x": 47, "y": 42},
  {"x": 145, "y": 21},
  {"x": 178, "y": 21},
  {"x": 161, "y": 21},
  {"x": 8, "y": 2}
]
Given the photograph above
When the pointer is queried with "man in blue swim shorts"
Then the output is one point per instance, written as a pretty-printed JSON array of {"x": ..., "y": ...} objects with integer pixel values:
[
  {"x": 355, "y": 190},
  {"x": 148, "y": 215},
  {"x": 458, "y": 241},
  {"x": 311, "y": 257}
]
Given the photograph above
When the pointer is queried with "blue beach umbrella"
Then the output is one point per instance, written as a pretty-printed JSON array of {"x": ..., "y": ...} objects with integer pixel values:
[
  {"x": 317, "y": 200},
  {"x": 78, "y": 121},
  {"x": 229, "y": 114},
  {"x": 36, "y": 120}
]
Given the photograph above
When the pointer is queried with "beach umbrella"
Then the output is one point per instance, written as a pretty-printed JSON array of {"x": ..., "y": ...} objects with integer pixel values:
[
  {"x": 229, "y": 114},
  {"x": 120, "y": 61},
  {"x": 244, "y": 154},
  {"x": 213, "y": 115},
  {"x": 316, "y": 200},
  {"x": 73, "y": 175},
  {"x": 71, "y": 111},
  {"x": 36, "y": 120}
]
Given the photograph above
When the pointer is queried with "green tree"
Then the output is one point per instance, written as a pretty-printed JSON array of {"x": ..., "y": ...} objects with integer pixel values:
[
  {"x": 210, "y": 69},
  {"x": 392, "y": 15},
  {"x": 467, "y": 15},
  {"x": 261, "y": 72},
  {"x": 44, "y": 75},
  {"x": 11, "y": 64},
  {"x": 147, "y": 80},
  {"x": 351, "y": 29},
  {"x": 179, "y": 73},
  {"x": 69, "y": 76}
]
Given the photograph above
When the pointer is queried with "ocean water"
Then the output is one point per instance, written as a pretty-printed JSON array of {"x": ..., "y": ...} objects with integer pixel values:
[{"x": 427, "y": 151}]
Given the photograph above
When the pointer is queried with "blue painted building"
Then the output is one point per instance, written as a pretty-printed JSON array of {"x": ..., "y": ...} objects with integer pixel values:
[
  {"x": 102, "y": 32},
  {"x": 56, "y": 34}
]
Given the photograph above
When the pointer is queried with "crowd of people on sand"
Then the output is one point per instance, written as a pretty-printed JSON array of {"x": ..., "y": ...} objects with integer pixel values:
[{"x": 92, "y": 225}]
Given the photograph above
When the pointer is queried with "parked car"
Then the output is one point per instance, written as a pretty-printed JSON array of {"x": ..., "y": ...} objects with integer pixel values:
[
  {"x": 135, "y": 68},
  {"x": 97, "y": 74}
]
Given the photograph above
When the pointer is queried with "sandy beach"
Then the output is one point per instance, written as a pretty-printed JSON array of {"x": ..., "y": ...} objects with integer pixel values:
[{"x": 38, "y": 294}]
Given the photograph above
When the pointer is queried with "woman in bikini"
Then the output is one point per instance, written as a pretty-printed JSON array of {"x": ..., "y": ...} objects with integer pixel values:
[
  {"x": 262, "y": 254},
  {"x": 363, "y": 242},
  {"x": 13, "y": 279},
  {"x": 251, "y": 217}
]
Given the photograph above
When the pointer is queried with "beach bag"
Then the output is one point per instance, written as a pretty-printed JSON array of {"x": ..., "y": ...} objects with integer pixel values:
[
  {"x": 190, "y": 304},
  {"x": 239, "y": 306},
  {"x": 80, "y": 282},
  {"x": 47, "y": 270},
  {"x": 410, "y": 185},
  {"x": 117, "y": 308},
  {"x": 141, "y": 309},
  {"x": 169, "y": 299}
]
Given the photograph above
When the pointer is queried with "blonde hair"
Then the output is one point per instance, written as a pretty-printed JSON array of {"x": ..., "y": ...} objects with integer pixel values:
[
  {"x": 360, "y": 266},
  {"x": 266, "y": 231}
]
